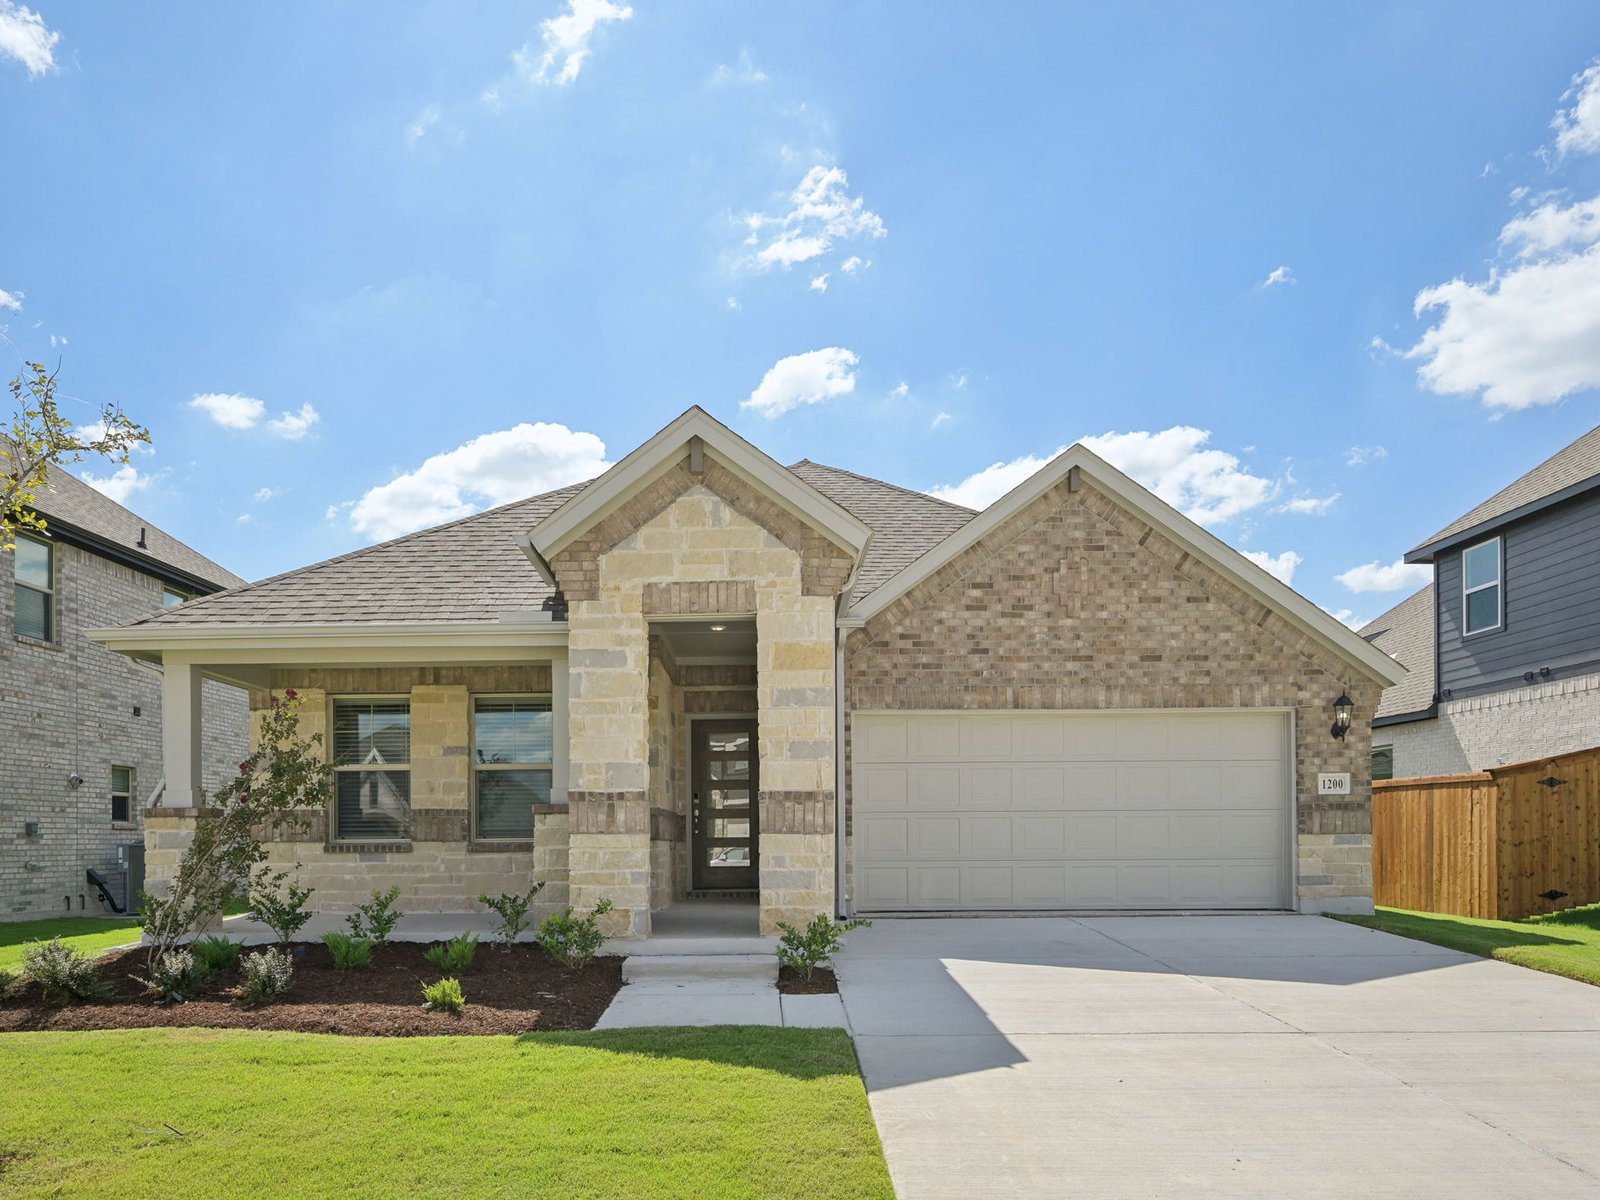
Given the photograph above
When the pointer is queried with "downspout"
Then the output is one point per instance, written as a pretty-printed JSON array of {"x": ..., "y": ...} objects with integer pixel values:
[{"x": 841, "y": 893}]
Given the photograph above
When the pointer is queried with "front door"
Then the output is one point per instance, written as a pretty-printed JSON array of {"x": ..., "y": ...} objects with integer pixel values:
[{"x": 724, "y": 806}]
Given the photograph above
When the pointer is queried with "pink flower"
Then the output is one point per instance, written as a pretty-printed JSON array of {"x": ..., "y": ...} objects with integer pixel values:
[{"x": 290, "y": 693}]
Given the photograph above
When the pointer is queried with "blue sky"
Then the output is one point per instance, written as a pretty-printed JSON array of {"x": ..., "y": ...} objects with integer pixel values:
[{"x": 362, "y": 268}]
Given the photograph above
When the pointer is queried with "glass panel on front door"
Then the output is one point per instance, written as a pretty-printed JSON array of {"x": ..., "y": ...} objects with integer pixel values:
[{"x": 724, "y": 810}]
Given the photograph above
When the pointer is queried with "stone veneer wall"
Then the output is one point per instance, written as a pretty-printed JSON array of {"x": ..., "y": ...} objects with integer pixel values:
[
  {"x": 441, "y": 869},
  {"x": 683, "y": 546},
  {"x": 68, "y": 706},
  {"x": 1076, "y": 603},
  {"x": 1537, "y": 721}
]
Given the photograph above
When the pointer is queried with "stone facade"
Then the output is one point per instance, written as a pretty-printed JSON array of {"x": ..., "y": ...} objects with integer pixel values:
[
  {"x": 1514, "y": 725},
  {"x": 69, "y": 706},
  {"x": 1077, "y": 603}
]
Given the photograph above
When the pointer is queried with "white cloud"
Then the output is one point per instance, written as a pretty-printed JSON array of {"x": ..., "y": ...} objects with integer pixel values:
[
  {"x": 293, "y": 426},
  {"x": 425, "y": 121},
  {"x": 745, "y": 72},
  {"x": 1310, "y": 506},
  {"x": 821, "y": 213},
  {"x": 940, "y": 419},
  {"x": 1279, "y": 566},
  {"x": 1360, "y": 456},
  {"x": 733, "y": 304},
  {"x": 854, "y": 263},
  {"x": 120, "y": 484},
  {"x": 1550, "y": 228},
  {"x": 1578, "y": 127},
  {"x": 808, "y": 378},
  {"x": 564, "y": 45},
  {"x": 958, "y": 380},
  {"x": 1345, "y": 617},
  {"x": 1279, "y": 275},
  {"x": 57, "y": 340},
  {"x": 819, "y": 283},
  {"x": 1207, "y": 485},
  {"x": 1372, "y": 577},
  {"x": 11, "y": 300},
  {"x": 230, "y": 409},
  {"x": 243, "y": 519},
  {"x": 900, "y": 390},
  {"x": 25, "y": 37},
  {"x": 264, "y": 494},
  {"x": 494, "y": 468}
]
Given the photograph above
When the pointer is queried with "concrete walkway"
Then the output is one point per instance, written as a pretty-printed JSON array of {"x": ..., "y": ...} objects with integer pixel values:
[
  {"x": 724, "y": 989},
  {"x": 1267, "y": 1055}
]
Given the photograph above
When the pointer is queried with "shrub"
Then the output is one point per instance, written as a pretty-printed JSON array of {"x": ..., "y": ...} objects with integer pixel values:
[
  {"x": 455, "y": 956},
  {"x": 444, "y": 996},
  {"x": 375, "y": 920},
  {"x": 285, "y": 915},
  {"x": 266, "y": 976},
  {"x": 63, "y": 973},
  {"x": 814, "y": 946},
  {"x": 215, "y": 954},
  {"x": 349, "y": 953},
  {"x": 7, "y": 978},
  {"x": 573, "y": 941},
  {"x": 175, "y": 976},
  {"x": 512, "y": 909}
]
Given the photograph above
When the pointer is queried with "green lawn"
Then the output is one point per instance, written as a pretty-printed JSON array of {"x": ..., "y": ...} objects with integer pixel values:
[
  {"x": 1564, "y": 943},
  {"x": 89, "y": 934},
  {"x": 703, "y": 1113}
]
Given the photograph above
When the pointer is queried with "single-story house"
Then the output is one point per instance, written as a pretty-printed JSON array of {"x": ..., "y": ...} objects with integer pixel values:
[{"x": 704, "y": 673}]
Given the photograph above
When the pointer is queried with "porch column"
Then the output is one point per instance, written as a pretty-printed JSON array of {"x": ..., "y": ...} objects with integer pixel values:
[{"x": 180, "y": 734}]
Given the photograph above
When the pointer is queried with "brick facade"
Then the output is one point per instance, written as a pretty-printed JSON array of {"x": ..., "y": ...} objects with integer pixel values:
[
  {"x": 69, "y": 706},
  {"x": 1077, "y": 603}
]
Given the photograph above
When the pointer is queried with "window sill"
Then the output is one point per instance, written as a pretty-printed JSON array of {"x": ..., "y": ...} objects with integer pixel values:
[
  {"x": 503, "y": 846},
  {"x": 23, "y": 639},
  {"x": 124, "y": 825},
  {"x": 368, "y": 847}
]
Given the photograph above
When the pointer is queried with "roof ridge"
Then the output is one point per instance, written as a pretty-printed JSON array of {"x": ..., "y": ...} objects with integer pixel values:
[
  {"x": 362, "y": 551},
  {"x": 806, "y": 462},
  {"x": 1389, "y": 612}
]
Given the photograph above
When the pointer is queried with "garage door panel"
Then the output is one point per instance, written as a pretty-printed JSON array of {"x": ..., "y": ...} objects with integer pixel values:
[{"x": 1061, "y": 810}]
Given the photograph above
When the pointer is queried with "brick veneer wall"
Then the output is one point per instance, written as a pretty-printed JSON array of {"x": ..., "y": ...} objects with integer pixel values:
[
  {"x": 67, "y": 706},
  {"x": 1076, "y": 603}
]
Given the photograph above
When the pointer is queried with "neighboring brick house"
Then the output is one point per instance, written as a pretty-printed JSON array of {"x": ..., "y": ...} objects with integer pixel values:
[
  {"x": 80, "y": 726},
  {"x": 1503, "y": 648},
  {"x": 705, "y": 674}
]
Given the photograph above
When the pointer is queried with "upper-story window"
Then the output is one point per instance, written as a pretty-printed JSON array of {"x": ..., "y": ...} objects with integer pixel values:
[
  {"x": 35, "y": 588},
  {"x": 1480, "y": 587},
  {"x": 171, "y": 597}
]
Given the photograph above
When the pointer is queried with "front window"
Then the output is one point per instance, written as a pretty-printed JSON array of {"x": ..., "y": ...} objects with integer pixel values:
[
  {"x": 122, "y": 793},
  {"x": 1480, "y": 587},
  {"x": 35, "y": 588},
  {"x": 372, "y": 758},
  {"x": 1382, "y": 762},
  {"x": 512, "y": 741}
]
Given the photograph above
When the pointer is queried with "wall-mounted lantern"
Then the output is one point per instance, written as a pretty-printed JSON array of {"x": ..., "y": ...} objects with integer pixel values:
[{"x": 1343, "y": 709}]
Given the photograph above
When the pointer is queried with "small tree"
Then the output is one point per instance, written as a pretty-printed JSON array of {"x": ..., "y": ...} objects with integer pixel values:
[
  {"x": 284, "y": 773},
  {"x": 39, "y": 437}
]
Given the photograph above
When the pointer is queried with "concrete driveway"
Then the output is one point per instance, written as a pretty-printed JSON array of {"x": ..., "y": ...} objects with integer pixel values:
[{"x": 1260, "y": 1055}]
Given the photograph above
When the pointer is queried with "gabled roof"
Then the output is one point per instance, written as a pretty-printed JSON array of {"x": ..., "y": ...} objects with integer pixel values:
[
  {"x": 1565, "y": 474},
  {"x": 694, "y": 431},
  {"x": 71, "y": 507},
  {"x": 1405, "y": 633},
  {"x": 1331, "y": 633}
]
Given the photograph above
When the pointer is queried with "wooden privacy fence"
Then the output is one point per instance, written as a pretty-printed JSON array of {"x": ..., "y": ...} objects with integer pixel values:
[{"x": 1501, "y": 844}]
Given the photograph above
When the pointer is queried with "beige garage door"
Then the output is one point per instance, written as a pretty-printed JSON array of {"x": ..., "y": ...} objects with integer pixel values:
[{"x": 957, "y": 811}]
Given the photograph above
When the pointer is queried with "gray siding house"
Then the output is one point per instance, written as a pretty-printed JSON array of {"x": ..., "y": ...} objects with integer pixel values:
[
  {"x": 80, "y": 727},
  {"x": 1504, "y": 646}
]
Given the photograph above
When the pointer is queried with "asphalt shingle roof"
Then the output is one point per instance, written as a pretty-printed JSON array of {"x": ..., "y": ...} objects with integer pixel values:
[
  {"x": 1575, "y": 464},
  {"x": 474, "y": 570},
  {"x": 67, "y": 500},
  {"x": 1405, "y": 633}
]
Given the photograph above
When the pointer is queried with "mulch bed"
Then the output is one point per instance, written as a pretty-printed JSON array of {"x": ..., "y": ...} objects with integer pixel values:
[
  {"x": 793, "y": 983},
  {"x": 513, "y": 991}
]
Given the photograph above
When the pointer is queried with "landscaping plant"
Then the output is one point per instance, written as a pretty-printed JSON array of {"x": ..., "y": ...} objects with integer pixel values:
[
  {"x": 805, "y": 950},
  {"x": 455, "y": 956},
  {"x": 573, "y": 941},
  {"x": 266, "y": 976},
  {"x": 375, "y": 920},
  {"x": 7, "y": 978},
  {"x": 512, "y": 909},
  {"x": 444, "y": 996},
  {"x": 215, "y": 954},
  {"x": 283, "y": 775},
  {"x": 63, "y": 973},
  {"x": 349, "y": 953},
  {"x": 175, "y": 976},
  {"x": 284, "y": 914}
]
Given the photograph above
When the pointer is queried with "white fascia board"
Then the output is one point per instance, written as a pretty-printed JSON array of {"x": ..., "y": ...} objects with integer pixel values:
[
  {"x": 1207, "y": 547},
  {"x": 466, "y": 641},
  {"x": 658, "y": 455}
]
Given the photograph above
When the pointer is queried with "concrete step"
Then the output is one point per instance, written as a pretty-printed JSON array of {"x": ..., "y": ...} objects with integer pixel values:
[
  {"x": 679, "y": 946},
  {"x": 687, "y": 969}
]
